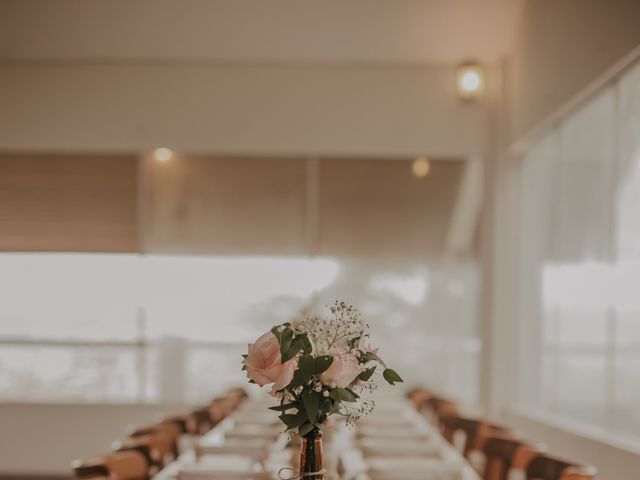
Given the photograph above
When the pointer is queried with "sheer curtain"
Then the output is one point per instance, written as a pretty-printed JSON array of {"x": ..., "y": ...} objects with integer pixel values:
[{"x": 580, "y": 243}]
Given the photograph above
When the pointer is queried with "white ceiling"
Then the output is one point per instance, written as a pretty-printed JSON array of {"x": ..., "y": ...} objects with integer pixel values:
[{"x": 350, "y": 31}]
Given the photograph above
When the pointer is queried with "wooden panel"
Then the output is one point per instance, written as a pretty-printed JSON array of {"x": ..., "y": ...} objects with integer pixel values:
[
  {"x": 68, "y": 203},
  {"x": 378, "y": 207},
  {"x": 226, "y": 205}
]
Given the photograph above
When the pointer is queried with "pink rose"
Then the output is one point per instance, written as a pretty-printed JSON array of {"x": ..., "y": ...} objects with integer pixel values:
[
  {"x": 342, "y": 372},
  {"x": 264, "y": 366}
]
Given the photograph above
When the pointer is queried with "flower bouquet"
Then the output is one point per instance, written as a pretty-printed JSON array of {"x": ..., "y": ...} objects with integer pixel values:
[{"x": 318, "y": 367}]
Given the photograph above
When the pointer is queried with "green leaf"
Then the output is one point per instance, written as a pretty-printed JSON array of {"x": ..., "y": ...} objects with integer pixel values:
[
  {"x": 343, "y": 395},
  {"x": 322, "y": 363},
  {"x": 353, "y": 343},
  {"x": 305, "y": 367},
  {"x": 282, "y": 408},
  {"x": 286, "y": 337},
  {"x": 307, "y": 348},
  {"x": 326, "y": 405},
  {"x": 350, "y": 394},
  {"x": 311, "y": 402},
  {"x": 370, "y": 356},
  {"x": 293, "y": 420},
  {"x": 306, "y": 428},
  {"x": 298, "y": 379},
  {"x": 293, "y": 350},
  {"x": 366, "y": 374},
  {"x": 391, "y": 376}
]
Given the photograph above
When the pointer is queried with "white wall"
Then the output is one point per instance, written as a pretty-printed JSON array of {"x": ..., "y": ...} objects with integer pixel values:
[
  {"x": 562, "y": 46},
  {"x": 225, "y": 108},
  {"x": 407, "y": 31},
  {"x": 32, "y": 433}
]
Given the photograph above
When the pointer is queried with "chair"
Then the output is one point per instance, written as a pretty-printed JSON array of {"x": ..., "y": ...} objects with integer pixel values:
[
  {"x": 474, "y": 430},
  {"x": 438, "y": 407},
  {"x": 237, "y": 396},
  {"x": 224, "y": 405},
  {"x": 171, "y": 430},
  {"x": 504, "y": 452},
  {"x": 203, "y": 420},
  {"x": 127, "y": 465},
  {"x": 157, "y": 449},
  {"x": 218, "y": 411},
  {"x": 418, "y": 397},
  {"x": 543, "y": 467},
  {"x": 187, "y": 423}
]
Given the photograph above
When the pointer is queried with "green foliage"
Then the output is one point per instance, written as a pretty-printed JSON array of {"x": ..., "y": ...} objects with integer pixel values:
[
  {"x": 305, "y": 367},
  {"x": 299, "y": 379},
  {"x": 343, "y": 395},
  {"x": 391, "y": 376},
  {"x": 291, "y": 343},
  {"x": 286, "y": 338},
  {"x": 365, "y": 375},
  {"x": 293, "y": 420},
  {"x": 322, "y": 363},
  {"x": 305, "y": 428},
  {"x": 326, "y": 406},
  {"x": 307, "y": 348},
  {"x": 282, "y": 408},
  {"x": 370, "y": 356},
  {"x": 311, "y": 402},
  {"x": 353, "y": 343}
]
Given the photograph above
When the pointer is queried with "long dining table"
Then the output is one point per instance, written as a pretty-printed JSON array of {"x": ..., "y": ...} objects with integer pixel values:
[{"x": 395, "y": 442}]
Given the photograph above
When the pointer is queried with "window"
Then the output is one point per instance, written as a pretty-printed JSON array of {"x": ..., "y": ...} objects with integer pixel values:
[
  {"x": 580, "y": 249},
  {"x": 128, "y": 328}
]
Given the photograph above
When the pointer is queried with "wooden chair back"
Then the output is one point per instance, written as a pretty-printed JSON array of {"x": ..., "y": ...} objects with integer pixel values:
[
  {"x": 218, "y": 411},
  {"x": 418, "y": 397},
  {"x": 126, "y": 465},
  {"x": 172, "y": 431},
  {"x": 203, "y": 420},
  {"x": 187, "y": 423},
  {"x": 544, "y": 467},
  {"x": 237, "y": 396},
  {"x": 156, "y": 449},
  {"x": 475, "y": 431},
  {"x": 503, "y": 453},
  {"x": 438, "y": 408}
]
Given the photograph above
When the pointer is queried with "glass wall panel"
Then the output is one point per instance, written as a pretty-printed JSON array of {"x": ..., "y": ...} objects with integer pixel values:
[
  {"x": 580, "y": 267},
  {"x": 626, "y": 300}
]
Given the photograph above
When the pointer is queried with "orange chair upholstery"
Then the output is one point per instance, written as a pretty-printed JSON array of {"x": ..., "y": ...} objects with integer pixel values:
[
  {"x": 157, "y": 449},
  {"x": 544, "y": 467},
  {"x": 171, "y": 430},
  {"x": 126, "y": 465},
  {"x": 475, "y": 430},
  {"x": 504, "y": 452}
]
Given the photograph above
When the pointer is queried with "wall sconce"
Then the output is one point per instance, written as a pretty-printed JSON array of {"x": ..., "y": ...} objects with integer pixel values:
[
  {"x": 469, "y": 81},
  {"x": 420, "y": 167},
  {"x": 163, "y": 154}
]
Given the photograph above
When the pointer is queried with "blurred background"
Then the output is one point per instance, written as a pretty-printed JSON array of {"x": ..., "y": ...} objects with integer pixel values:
[{"x": 176, "y": 177}]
